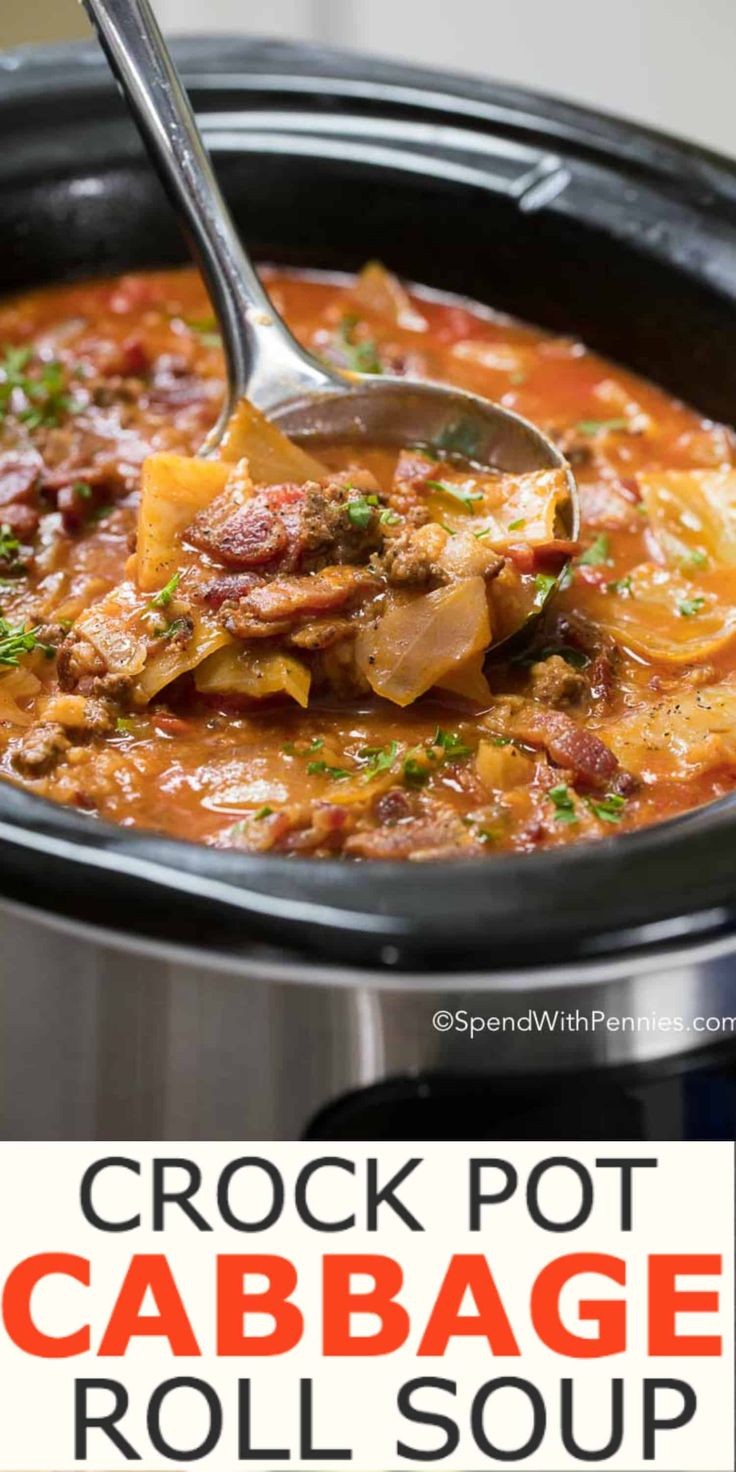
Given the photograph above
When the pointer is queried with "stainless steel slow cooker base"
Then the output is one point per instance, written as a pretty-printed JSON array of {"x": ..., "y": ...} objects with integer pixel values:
[{"x": 103, "y": 1036}]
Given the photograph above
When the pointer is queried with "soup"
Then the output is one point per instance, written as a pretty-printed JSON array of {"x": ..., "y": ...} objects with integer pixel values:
[{"x": 282, "y": 655}]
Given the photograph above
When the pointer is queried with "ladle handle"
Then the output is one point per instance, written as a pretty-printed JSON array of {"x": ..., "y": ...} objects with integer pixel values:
[{"x": 264, "y": 361}]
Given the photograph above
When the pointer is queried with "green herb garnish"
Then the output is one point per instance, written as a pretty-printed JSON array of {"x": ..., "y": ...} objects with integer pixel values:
[
  {"x": 9, "y": 544},
  {"x": 176, "y": 627},
  {"x": 163, "y": 598},
  {"x": 544, "y": 582},
  {"x": 458, "y": 493},
  {"x": 416, "y": 773},
  {"x": 290, "y": 748},
  {"x": 689, "y": 607},
  {"x": 696, "y": 558},
  {"x": 315, "y": 769},
  {"x": 515, "y": 526},
  {"x": 47, "y": 400},
  {"x": 563, "y": 803},
  {"x": 264, "y": 812},
  {"x": 378, "y": 759},
  {"x": 361, "y": 511},
  {"x": 15, "y": 642},
  {"x": 596, "y": 553},
  {"x": 450, "y": 743},
  {"x": 624, "y": 587},
  {"x": 361, "y": 353},
  {"x": 601, "y": 426},
  {"x": 206, "y": 330},
  {"x": 389, "y": 517},
  {"x": 124, "y": 725},
  {"x": 610, "y": 809}
]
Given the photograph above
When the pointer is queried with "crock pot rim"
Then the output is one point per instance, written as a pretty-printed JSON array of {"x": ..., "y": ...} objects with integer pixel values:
[{"x": 620, "y": 892}]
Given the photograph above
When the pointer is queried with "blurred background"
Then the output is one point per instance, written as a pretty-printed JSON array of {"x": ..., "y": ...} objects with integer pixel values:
[{"x": 665, "y": 62}]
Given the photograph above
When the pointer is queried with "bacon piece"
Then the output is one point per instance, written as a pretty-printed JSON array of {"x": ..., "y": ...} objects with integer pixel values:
[
  {"x": 286, "y": 598},
  {"x": 440, "y": 838},
  {"x": 567, "y": 743},
  {"x": 19, "y": 476},
  {"x": 22, "y": 520},
  {"x": 254, "y": 535},
  {"x": 289, "y": 528},
  {"x": 230, "y": 588}
]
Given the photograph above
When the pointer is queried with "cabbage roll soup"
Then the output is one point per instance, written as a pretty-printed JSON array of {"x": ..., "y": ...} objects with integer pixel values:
[{"x": 274, "y": 650}]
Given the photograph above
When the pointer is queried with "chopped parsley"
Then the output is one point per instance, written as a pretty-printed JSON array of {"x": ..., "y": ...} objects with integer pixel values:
[
  {"x": 206, "y": 330},
  {"x": 450, "y": 743},
  {"x": 291, "y": 749},
  {"x": 623, "y": 586},
  {"x": 416, "y": 771},
  {"x": 689, "y": 607},
  {"x": 597, "y": 552},
  {"x": 458, "y": 493},
  {"x": 124, "y": 725},
  {"x": 544, "y": 582},
  {"x": 361, "y": 511},
  {"x": 83, "y": 490},
  {"x": 178, "y": 626},
  {"x": 15, "y": 642},
  {"x": 47, "y": 400},
  {"x": 389, "y": 517},
  {"x": 264, "y": 812},
  {"x": 515, "y": 526},
  {"x": 563, "y": 803},
  {"x": 601, "y": 426},
  {"x": 500, "y": 740},
  {"x": 163, "y": 598},
  {"x": 609, "y": 809},
  {"x": 361, "y": 354},
  {"x": 696, "y": 558},
  {"x": 315, "y": 769},
  {"x": 9, "y": 545},
  {"x": 378, "y": 759}
]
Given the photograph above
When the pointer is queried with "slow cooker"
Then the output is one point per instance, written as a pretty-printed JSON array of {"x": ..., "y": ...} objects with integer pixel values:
[{"x": 153, "y": 988}]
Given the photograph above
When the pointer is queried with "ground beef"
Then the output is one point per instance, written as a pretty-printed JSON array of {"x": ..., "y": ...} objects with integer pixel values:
[
  {"x": 555, "y": 682},
  {"x": 40, "y": 751},
  {"x": 322, "y": 634},
  {"x": 410, "y": 558},
  {"x": 78, "y": 661}
]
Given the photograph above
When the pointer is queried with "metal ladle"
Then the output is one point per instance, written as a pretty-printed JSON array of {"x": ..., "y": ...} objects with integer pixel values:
[{"x": 265, "y": 363}]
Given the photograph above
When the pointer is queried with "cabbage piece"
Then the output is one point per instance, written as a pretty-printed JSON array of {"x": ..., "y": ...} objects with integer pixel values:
[
  {"x": 272, "y": 458},
  {"x": 173, "y": 489},
  {"x": 113, "y": 627},
  {"x": 378, "y": 290},
  {"x": 663, "y": 616},
  {"x": 469, "y": 681},
  {"x": 170, "y": 660},
  {"x": 422, "y": 639},
  {"x": 17, "y": 685},
  {"x": 237, "y": 671},
  {"x": 692, "y": 514},
  {"x": 684, "y": 734},
  {"x": 503, "y": 510}
]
